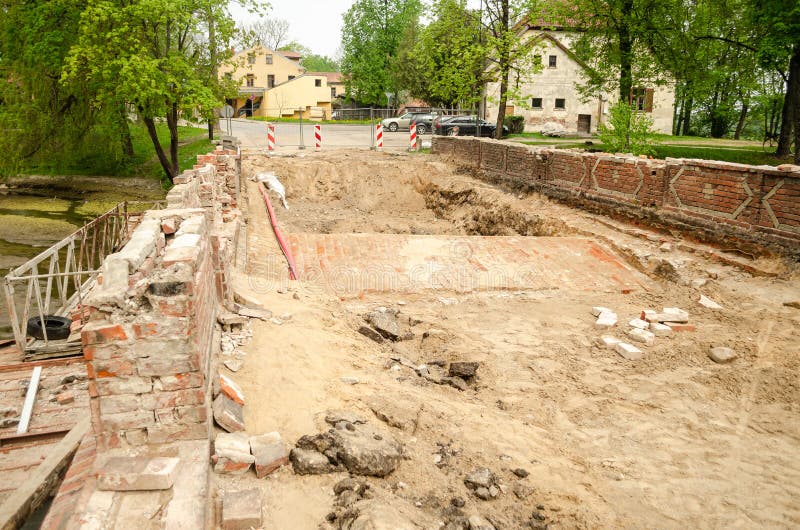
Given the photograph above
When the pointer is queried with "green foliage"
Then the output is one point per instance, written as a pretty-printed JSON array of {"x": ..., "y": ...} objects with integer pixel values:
[
  {"x": 628, "y": 131},
  {"x": 515, "y": 124},
  {"x": 371, "y": 36},
  {"x": 319, "y": 63}
]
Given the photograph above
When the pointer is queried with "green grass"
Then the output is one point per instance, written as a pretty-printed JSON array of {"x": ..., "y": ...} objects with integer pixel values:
[
  {"x": 741, "y": 154},
  {"x": 325, "y": 122},
  {"x": 100, "y": 154}
]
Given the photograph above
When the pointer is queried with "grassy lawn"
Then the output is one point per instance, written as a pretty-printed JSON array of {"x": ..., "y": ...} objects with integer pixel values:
[
  {"x": 724, "y": 150},
  {"x": 324, "y": 122},
  {"x": 96, "y": 158}
]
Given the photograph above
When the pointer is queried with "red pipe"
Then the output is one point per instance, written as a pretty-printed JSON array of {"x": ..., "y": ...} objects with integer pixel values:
[{"x": 278, "y": 234}]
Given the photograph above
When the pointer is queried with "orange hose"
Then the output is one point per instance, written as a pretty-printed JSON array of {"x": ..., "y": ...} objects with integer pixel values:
[{"x": 278, "y": 235}]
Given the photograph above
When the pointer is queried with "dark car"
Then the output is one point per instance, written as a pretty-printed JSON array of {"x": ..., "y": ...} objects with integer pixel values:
[{"x": 465, "y": 126}]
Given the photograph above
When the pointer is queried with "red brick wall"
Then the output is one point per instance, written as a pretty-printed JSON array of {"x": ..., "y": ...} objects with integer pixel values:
[{"x": 715, "y": 201}]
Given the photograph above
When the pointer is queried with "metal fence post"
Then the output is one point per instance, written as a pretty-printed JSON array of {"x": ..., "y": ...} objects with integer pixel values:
[
  {"x": 302, "y": 145},
  {"x": 371, "y": 129}
]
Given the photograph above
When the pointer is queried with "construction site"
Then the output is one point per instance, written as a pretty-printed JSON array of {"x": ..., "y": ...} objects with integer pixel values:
[{"x": 485, "y": 336}]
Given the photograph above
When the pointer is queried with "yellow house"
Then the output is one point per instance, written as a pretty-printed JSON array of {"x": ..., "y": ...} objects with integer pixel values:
[{"x": 273, "y": 84}]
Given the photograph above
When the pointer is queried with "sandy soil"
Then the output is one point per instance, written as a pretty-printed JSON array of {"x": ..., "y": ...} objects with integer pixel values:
[{"x": 669, "y": 441}]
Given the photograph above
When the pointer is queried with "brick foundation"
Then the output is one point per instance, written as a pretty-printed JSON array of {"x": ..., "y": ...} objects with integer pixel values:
[{"x": 752, "y": 208}]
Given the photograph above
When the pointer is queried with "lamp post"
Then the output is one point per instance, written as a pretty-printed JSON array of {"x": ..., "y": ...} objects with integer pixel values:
[{"x": 389, "y": 96}]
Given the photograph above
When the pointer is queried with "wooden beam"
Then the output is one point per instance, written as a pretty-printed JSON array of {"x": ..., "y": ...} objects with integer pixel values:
[
  {"x": 30, "y": 494},
  {"x": 30, "y": 399}
]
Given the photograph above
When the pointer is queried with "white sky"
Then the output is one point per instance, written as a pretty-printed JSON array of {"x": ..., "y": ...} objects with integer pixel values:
[{"x": 313, "y": 23}]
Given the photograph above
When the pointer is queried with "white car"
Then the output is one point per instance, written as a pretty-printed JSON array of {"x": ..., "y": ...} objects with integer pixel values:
[{"x": 423, "y": 120}]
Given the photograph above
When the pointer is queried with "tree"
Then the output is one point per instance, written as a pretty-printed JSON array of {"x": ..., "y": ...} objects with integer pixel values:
[
  {"x": 505, "y": 52},
  {"x": 152, "y": 54},
  {"x": 627, "y": 131},
  {"x": 319, "y": 63},
  {"x": 271, "y": 33},
  {"x": 444, "y": 62},
  {"x": 371, "y": 36}
]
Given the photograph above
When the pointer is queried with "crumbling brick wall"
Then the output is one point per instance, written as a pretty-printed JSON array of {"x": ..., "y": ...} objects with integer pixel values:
[
  {"x": 149, "y": 341},
  {"x": 750, "y": 207}
]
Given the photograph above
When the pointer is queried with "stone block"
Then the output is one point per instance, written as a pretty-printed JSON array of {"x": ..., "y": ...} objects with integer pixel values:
[
  {"x": 134, "y": 419},
  {"x": 609, "y": 342},
  {"x": 660, "y": 330},
  {"x": 269, "y": 452},
  {"x": 193, "y": 225},
  {"x": 124, "y": 385},
  {"x": 722, "y": 355},
  {"x": 137, "y": 473},
  {"x": 241, "y": 510},
  {"x": 641, "y": 335},
  {"x": 119, "y": 403},
  {"x": 232, "y": 454},
  {"x": 628, "y": 351},
  {"x": 228, "y": 414},
  {"x": 606, "y": 319},
  {"x": 639, "y": 323},
  {"x": 708, "y": 302},
  {"x": 599, "y": 309},
  {"x": 160, "y": 433}
]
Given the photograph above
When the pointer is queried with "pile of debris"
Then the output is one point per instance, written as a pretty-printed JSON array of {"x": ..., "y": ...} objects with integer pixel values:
[
  {"x": 385, "y": 324},
  {"x": 235, "y": 453}
]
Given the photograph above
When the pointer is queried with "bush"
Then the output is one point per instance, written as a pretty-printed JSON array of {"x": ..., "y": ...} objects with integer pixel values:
[
  {"x": 628, "y": 131},
  {"x": 515, "y": 124}
]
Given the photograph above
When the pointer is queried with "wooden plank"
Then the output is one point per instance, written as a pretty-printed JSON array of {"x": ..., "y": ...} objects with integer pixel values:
[
  {"x": 19, "y": 505},
  {"x": 30, "y": 398}
]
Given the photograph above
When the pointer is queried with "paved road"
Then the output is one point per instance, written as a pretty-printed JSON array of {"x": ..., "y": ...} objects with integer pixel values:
[{"x": 287, "y": 135}]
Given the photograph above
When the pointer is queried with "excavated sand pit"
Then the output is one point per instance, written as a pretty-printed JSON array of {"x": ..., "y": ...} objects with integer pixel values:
[{"x": 575, "y": 436}]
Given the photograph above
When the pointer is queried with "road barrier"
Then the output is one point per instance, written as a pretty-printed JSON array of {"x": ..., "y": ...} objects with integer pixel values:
[
  {"x": 379, "y": 136},
  {"x": 270, "y": 137},
  {"x": 318, "y": 136},
  {"x": 412, "y": 133}
]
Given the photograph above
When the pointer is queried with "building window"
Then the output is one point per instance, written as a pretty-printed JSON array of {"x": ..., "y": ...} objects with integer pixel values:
[
  {"x": 333, "y": 92},
  {"x": 270, "y": 81},
  {"x": 291, "y": 77},
  {"x": 642, "y": 99},
  {"x": 317, "y": 82},
  {"x": 536, "y": 103},
  {"x": 269, "y": 58},
  {"x": 561, "y": 103},
  {"x": 251, "y": 80},
  {"x": 251, "y": 58},
  {"x": 552, "y": 61}
]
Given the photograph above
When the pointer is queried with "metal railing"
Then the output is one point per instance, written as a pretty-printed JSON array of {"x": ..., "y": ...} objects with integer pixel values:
[{"x": 57, "y": 280}]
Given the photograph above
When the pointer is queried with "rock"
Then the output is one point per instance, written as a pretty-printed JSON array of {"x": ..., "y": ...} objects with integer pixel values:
[
  {"x": 521, "y": 473},
  {"x": 228, "y": 414},
  {"x": 476, "y": 522},
  {"x": 660, "y": 330},
  {"x": 241, "y": 510},
  {"x": 600, "y": 309},
  {"x": 455, "y": 382},
  {"x": 370, "y": 333},
  {"x": 522, "y": 492},
  {"x": 394, "y": 515},
  {"x": 310, "y": 462},
  {"x": 641, "y": 335},
  {"x": 394, "y": 412},
  {"x": 234, "y": 365},
  {"x": 65, "y": 398},
  {"x": 269, "y": 453},
  {"x": 346, "y": 484},
  {"x": 483, "y": 493},
  {"x": 665, "y": 247},
  {"x": 609, "y": 342},
  {"x": 385, "y": 323},
  {"x": 137, "y": 473},
  {"x": 722, "y": 355},
  {"x": 332, "y": 417},
  {"x": 226, "y": 318},
  {"x": 366, "y": 451},
  {"x": 261, "y": 314},
  {"x": 458, "y": 502},
  {"x": 349, "y": 380},
  {"x": 708, "y": 302},
  {"x": 639, "y": 323},
  {"x": 464, "y": 370},
  {"x": 699, "y": 282},
  {"x": 628, "y": 351},
  {"x": 794, "y": 304},
  {"x": 232, "y": 454},
  {"x": 606, "y": 319},
  {"x": 481, "y": 477}
]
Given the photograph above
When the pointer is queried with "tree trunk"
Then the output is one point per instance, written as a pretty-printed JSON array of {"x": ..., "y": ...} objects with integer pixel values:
[
  {"x": 687, "y": 116},
  {"x": 125, "y": 133},
  {"x": 791, "y": 100},
  {"x": 625, "y": 53},
  {"x": 162, "y": 156},
  {"x": 172, "y": 123},
  {"x": 505, "y": 68},
  {"x": 742, "y": 120}
]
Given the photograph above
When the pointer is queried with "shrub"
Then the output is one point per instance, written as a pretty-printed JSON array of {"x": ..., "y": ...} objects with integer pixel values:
[
  {"x": 515, "y": 124},
  {"x": 628, "y": 131}
]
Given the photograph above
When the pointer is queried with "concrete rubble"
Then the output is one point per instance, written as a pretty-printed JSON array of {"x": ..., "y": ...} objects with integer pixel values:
[
  {"x": 232, "y": 454},
  {"x": 483, "y": 483}
]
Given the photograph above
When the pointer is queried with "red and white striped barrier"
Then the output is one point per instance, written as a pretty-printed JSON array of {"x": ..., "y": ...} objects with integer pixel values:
[
  {"x": 270, "y": 137},
  {"x": 379, "y": 136},
  {"x": 318, "y": 136},
  {"x": 412, "y": 133}
]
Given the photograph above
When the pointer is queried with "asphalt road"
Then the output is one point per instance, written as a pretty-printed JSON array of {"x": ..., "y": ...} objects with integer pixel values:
[{"x": 253, "y": 134}]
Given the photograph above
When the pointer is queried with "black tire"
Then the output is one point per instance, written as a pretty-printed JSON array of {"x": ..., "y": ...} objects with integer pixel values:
[
  {"x": 57, "y": 327},
  {"x": 393, "y": 126},
  {"x": 422, "y": 128}
]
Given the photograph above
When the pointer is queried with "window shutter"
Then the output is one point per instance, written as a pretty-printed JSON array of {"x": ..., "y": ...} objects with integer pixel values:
[{"x": 648, "y": 100}]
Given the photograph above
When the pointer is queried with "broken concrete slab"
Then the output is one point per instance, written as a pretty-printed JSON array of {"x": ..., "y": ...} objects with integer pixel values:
[
  {"x": 365, "y": 450},
  {"x": 137, "y": 473},
  {"x": 269, "y": 453},
  {"x": 228, "y": 414},
  {"x": 385, "y": 323},
  {"x": 241, "y": 510},
  {"x": 310, "y": 462},
  {"x": 722, "y": 354},
  {"x": 708, "y": 302},
  {"x": 371, "y": 334}
]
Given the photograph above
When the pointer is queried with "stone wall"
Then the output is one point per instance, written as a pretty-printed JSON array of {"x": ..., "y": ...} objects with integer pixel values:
[
  {"x": 149, "y": 341},
  {"x": 750, "y": 207}
]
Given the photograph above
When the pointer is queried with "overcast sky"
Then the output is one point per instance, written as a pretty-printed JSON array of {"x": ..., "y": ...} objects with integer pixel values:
[{"x": 313, "y": 23}]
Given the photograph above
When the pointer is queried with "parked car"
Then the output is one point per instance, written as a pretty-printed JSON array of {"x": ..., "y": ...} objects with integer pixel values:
[
  {"x": 424, "y": 121},
  {"x": 465, "y": 126}
]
